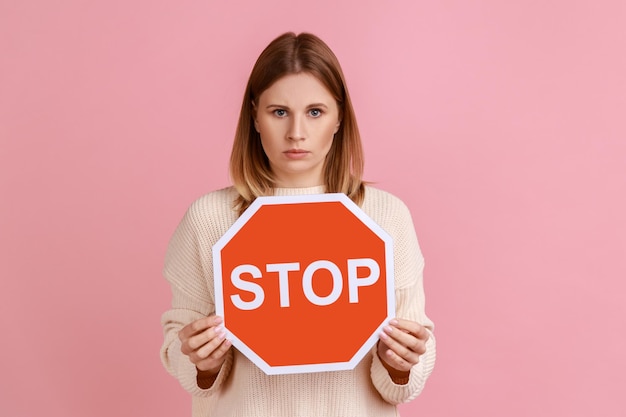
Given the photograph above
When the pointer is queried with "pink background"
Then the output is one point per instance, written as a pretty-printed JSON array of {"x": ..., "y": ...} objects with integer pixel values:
[{"x": 501, "y": 124}]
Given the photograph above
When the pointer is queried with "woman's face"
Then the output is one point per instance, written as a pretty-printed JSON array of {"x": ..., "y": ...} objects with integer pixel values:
[{"x": 297, "y": 118}]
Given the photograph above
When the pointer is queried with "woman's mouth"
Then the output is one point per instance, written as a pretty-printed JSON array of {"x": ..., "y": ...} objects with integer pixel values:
[{"x": 296, "y": 153}]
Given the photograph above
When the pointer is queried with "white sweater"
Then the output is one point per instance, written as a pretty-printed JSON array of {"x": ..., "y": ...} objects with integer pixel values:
[{"x": 241, "y": 388}]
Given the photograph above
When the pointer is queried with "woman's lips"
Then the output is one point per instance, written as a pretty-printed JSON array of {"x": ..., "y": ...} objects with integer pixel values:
[{"x": 296, "y": 153}]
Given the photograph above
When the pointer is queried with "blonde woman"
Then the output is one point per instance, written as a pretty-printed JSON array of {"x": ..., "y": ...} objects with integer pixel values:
[{"x": 297, "y": 134}]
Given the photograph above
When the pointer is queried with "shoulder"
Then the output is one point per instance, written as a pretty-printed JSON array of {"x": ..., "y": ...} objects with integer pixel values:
[
  {"x": 221, "y": 198},
  {"x": 380, "y": 200},
  {"x": 387, "y": 210},
  {"x": 213, "y": 209}
]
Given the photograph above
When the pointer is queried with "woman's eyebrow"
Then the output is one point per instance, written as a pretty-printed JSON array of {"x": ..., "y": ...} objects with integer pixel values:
[
  {"x": 317, "y": 105},
  {"x": 282, "y": 106}
]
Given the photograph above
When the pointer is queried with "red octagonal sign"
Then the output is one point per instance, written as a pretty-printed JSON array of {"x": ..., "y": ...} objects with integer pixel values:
[{"x": 304, "y": 283}]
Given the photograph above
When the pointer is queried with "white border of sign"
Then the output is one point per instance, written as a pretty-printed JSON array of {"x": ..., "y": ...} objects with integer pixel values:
[{"x": 296, "y": 199}]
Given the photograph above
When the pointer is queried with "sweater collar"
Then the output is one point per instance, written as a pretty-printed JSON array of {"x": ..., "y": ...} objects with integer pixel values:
[{"x": 318, "y": 189}]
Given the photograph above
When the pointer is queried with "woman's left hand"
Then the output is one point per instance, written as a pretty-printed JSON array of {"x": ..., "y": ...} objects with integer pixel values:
[{"x": 401, "y": 344}]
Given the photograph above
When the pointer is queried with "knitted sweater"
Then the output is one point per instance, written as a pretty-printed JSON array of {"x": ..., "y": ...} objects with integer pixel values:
[{"x": 241, "y": 388}]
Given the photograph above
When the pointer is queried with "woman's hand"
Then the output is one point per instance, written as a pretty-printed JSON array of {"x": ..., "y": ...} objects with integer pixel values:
[
  {"x": 204, "y": 342},
  {"x": 401, "y": 344}
]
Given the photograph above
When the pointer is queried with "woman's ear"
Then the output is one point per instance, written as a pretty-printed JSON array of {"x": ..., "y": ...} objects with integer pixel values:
[
  {"x": 256, "y": 124},
  {"x": 339, "y": 117}
]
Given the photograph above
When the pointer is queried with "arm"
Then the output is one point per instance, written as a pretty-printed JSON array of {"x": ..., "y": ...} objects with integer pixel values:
[
  {"x": 189, "y": 335},
  {"x": 398, "y": 386},
  {"x": 197, "y": 381},
  {"x": 405, "y": 356},
  {"x": 204, "y": 343},
  {"x": 400, "y": 346}
]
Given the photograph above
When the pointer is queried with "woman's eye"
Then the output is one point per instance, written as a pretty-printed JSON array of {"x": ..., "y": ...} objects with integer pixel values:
[
  {"x": 280, "y": 112},
  {"x": 315, "y": 112}
]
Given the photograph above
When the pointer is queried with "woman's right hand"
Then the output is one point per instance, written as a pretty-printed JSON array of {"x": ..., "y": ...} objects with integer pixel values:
[{"x": 204, "y": 342}]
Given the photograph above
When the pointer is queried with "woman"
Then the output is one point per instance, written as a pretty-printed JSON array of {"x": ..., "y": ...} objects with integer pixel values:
[{"x": 297, "y": 134}]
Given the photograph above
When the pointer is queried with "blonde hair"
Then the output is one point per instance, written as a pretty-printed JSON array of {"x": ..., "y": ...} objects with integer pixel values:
[{"x": 249, "y": 166}]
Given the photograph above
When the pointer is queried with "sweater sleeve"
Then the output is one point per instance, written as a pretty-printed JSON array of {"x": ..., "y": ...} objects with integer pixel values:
[
  {"x": 191, "y": 300},
  {"x": 410, "y": 304}
]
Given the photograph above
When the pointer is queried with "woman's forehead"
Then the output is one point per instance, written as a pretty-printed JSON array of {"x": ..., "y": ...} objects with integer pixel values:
[{"x": 297, "y": 89}]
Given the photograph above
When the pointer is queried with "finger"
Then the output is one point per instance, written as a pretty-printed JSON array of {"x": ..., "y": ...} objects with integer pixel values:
[
  {"x": 406, "y": 340},
  {"x": 219, "y": 352},
  {"x": 214, "y": 361},
  {"x": 411, "y": 327},
  {"x": 397, "y": 362},
  {"x": 198, "y": 326},
  {"x": 218, "y": 334},
  {"x": 201, "y": 339},
  {"x": 403, "y": 344}
]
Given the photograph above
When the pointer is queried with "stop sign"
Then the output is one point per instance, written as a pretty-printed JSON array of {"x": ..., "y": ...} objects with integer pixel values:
[{"x": 304, "y": 283}]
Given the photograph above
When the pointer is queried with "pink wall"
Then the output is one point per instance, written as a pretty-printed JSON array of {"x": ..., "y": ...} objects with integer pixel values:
[{"x": 501, "y": 124}]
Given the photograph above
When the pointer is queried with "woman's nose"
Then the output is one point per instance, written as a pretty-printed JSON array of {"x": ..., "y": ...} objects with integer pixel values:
[{"x": 296, "y": 128}]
